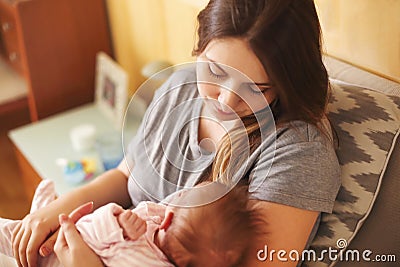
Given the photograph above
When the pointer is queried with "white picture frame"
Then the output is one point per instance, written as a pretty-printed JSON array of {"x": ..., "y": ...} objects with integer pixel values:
[{"x": 111, "y": 88}]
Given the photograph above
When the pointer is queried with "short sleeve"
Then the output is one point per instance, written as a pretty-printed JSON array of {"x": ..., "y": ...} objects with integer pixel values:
[
  {"x": 164, "y": 155},
  {"x": 139, "y": 134},
  {"x": 299, "y": 172},
  {"x": 157, "y": 108}
]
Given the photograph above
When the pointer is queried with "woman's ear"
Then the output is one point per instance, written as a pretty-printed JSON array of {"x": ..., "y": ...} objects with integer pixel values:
[{"x": 167, "y": 221}]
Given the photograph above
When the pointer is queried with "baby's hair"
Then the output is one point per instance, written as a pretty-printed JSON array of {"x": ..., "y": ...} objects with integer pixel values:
[{"x": 217, "y": 234}]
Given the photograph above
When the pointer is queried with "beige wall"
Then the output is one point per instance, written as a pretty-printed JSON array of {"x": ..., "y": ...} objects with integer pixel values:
[
  {"x": 147, "y": 30},
  {"x": 365, "y": 33}
]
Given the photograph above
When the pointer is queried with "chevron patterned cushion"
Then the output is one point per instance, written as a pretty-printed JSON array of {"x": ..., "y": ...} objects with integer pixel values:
[{"x": 367, "y": 124}]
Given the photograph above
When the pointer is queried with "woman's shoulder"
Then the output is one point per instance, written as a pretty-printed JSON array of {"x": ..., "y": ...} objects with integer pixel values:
[
  {"x": 300, "y": 170},
  {"x": 296, "y": 132},
  {"x": 184, "y": 72},
  {"x": 179, "y": 87},
  {"x": 182, "y": 76},
  {"x": 299, "y": 138}
]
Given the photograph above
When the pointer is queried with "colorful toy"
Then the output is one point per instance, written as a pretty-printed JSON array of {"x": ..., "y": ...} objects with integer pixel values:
[{"x": 77, "y": 171}]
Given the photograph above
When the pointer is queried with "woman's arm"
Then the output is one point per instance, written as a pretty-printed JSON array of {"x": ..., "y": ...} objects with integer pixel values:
[
  {"x": 286, "y": 228},
  {"x": 36, "y": 227}
]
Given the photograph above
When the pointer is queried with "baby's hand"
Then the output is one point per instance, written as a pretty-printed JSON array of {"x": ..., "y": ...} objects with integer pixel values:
[{"x": 133, "y": 226}]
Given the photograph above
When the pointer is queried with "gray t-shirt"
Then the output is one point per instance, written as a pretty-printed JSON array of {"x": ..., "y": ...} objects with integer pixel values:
[{"x": 295, "y": 166}]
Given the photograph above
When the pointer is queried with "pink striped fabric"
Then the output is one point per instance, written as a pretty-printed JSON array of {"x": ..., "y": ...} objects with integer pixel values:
[{"x": 102, "y": 233}]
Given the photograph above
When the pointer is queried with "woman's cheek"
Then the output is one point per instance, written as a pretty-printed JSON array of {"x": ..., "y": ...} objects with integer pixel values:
[
  {"x": 254, "y": 103},
  {"x": 257, "y": 104},
  {"x": 207, "y": 90}
]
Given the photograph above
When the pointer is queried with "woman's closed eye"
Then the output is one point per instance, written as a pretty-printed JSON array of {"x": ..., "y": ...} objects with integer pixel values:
[
  {"x": 216, "y": 71},
  {"x": 258, "y": 89}
]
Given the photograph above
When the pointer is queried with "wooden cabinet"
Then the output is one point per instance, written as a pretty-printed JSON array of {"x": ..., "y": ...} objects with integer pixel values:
[
  {"x": 11, "y": 46},
  {"x": 53, "y": 44}
]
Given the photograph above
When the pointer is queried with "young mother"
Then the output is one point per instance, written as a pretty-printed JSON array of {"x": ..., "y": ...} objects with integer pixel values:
[{"x": 275, "y": 44}]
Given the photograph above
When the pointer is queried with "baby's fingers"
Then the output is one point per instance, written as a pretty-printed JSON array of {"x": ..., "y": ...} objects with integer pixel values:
[
  {"x": 127, "y": 216},
  {"x": 134, "y": 227},
  {"x": 141, "y": 229},
  {"x": 138, "y": 222}
]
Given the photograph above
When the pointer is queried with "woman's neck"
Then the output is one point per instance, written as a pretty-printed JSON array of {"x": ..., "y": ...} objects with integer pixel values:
[{"x": 211, "y": 132}]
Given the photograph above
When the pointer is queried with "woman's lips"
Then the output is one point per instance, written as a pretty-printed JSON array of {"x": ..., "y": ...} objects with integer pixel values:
[
  {"x": 215, "y": 108},
  {"x": 225, "y": 113}
]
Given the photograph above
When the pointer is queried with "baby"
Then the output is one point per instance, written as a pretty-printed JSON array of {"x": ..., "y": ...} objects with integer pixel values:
[{"x": 215, "y": 234}]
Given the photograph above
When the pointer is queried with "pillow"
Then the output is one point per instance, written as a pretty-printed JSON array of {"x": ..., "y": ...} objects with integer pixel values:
[{"x": 367, "y": 124}]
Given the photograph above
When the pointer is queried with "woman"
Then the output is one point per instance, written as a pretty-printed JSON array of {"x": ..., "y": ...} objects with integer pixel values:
[{"x": 293, "y": 176}]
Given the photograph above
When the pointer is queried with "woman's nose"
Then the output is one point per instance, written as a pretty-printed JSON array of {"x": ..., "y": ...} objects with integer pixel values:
[{"x": 229, "y": 100}]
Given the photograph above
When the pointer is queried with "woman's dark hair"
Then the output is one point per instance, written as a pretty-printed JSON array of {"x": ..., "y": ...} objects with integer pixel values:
[{"x": 286, "y": 37}]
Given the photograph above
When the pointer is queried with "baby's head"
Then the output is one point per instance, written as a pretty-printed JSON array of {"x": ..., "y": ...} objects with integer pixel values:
[{"x": 214, "y": 234}]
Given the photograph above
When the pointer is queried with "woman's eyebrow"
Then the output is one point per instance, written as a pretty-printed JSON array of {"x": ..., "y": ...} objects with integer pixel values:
[
  {"x": 209, "y": 58},
  {"x": 216, "y": 63}
]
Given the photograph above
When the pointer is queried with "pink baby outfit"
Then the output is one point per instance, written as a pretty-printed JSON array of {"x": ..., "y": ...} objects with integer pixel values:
[{"x": 102, "y": 232}]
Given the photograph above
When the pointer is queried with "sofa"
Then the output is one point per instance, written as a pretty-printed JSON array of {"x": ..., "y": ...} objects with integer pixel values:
[{"x": 364, "y": 111}]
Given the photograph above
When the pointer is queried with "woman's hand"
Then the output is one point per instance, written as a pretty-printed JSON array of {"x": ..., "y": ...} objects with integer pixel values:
[
  {"x": 70, "y": 248},
  {"x": 30, "y": 233},
  {"x": 35, "y": 228}
]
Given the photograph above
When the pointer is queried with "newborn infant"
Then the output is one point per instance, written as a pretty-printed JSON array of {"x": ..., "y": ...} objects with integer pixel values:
[{"x": 155, "y": 234}]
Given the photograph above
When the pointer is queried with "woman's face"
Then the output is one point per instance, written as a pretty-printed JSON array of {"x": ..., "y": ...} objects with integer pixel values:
[{"x": 232, "y": 79}]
